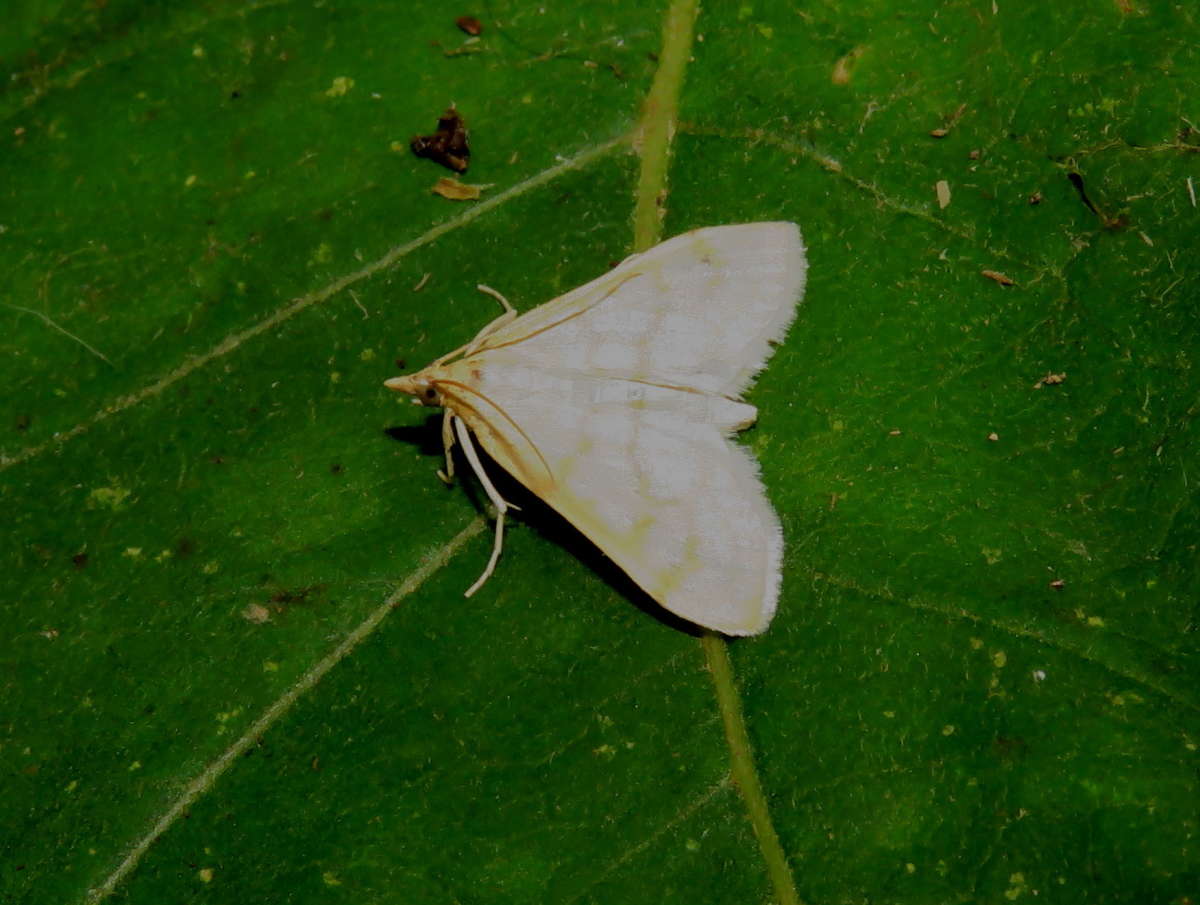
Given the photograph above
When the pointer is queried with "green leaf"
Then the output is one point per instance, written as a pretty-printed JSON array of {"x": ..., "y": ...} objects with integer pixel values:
[{"x": 237, "y": 663}]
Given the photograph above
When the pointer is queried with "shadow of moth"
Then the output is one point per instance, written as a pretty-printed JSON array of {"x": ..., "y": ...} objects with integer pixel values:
[{"x": 616, "y": 404}]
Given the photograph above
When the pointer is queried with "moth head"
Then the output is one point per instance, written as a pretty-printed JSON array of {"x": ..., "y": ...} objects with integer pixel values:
[{"x": 420, "y": 387}]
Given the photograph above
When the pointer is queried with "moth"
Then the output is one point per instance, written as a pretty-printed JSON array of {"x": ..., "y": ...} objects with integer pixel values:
[{"x": 617, "y": 402}]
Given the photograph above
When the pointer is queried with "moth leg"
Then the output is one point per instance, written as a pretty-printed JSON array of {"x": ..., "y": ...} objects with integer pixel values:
[
  {"x": 489, "y": 328},
  {"x": 498, "y": 501},
  {"x": 447, "y": 476},
  {"x": 492, "y": 326},
  {"x": 509, "y": 311}
]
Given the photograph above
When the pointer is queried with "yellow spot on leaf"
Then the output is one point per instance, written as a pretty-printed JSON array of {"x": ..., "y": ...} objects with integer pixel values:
[
  {"x": 843, "y": 68},
  {"x": 323, "y": 254},
  {"x": 1016, "y": 888},
  {"x": 108, "y": 498},
  {"x": 256, "y": 613}
]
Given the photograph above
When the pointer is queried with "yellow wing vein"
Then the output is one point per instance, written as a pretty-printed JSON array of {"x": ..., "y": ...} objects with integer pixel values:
[{"x": 665, "y": 386}]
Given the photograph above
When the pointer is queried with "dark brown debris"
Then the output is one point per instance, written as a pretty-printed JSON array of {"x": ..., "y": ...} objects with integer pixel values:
[
  {"x": 470, "y": 25},
  {"x": 448, "y": 145}
]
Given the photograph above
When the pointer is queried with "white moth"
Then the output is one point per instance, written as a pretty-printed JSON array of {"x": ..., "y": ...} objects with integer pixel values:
[{"x": 616, "y": 402}]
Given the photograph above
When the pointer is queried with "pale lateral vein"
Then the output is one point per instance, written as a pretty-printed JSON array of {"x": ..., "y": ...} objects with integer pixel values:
[
  {"x": 962, "y": 614},
  {"x": 214, "y": 771},
  {"x": 296, "y": 306},
  {"x": 684, "y": 813}
]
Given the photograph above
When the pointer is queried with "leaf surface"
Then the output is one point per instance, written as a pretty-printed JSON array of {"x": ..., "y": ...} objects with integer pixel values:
[{"x": 238, "y": 666}]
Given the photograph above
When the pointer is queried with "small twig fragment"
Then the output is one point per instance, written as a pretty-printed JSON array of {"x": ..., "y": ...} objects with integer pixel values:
[
  {"x": 54, "y": 325},
  {"x": 468, "y": 47},
  {"x": 944, "y": 130}
]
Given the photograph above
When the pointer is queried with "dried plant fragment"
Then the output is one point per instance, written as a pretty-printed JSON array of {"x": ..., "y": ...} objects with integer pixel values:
[
  {"x": 470, "y": 25},
  {"x": 843, "y": 69},
  {"x": 943, "y": 193},
  {"x": 457, "y": 191},
  {"x": 1050, "y": 380},
  {"x": 944, "y": 130},
  {"x": 448, "y": 145}
]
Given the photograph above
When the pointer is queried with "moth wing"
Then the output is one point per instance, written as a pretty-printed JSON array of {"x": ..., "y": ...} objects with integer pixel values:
[
  {"x": 649, "y": 475},
  {"x": 699, "y": 310}
]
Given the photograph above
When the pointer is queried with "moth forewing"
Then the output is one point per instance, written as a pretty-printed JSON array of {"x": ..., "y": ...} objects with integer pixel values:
[
  {"x": 614, "y": 403},
  {"x": 699, "y": 310}
]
